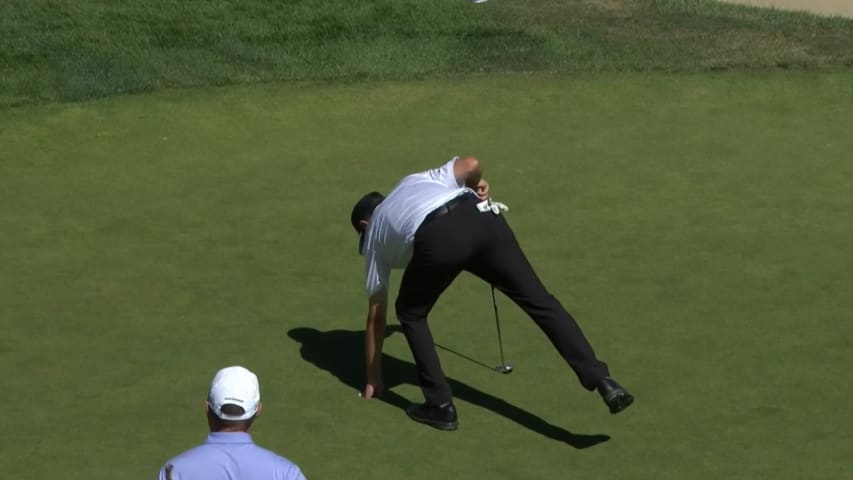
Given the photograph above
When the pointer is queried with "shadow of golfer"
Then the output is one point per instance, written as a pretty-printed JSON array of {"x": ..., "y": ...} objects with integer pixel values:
[{"x": 340, "y": 352}]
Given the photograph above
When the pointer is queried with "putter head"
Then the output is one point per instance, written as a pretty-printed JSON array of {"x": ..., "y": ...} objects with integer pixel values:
[{"x": 504, "y": 368}]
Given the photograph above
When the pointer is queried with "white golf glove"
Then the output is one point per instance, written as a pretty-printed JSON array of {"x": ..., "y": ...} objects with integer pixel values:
[{"x": 491, "y": 206}]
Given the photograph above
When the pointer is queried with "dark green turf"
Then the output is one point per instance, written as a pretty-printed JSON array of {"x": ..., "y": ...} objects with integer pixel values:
[
  {"x": 68, "y": 50},
  {"x": 697, "y": 226}
]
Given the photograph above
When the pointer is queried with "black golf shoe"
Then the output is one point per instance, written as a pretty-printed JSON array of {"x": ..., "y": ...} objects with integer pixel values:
[
  {"x": 616, "y": 397},
  {"x": 440, "y": 417}
]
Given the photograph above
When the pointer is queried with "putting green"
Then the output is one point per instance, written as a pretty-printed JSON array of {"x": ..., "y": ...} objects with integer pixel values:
[{"x": 698, "y": 227}]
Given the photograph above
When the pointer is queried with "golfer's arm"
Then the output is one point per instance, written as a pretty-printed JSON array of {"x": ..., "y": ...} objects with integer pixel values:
[{"x": 374, "y": 335}]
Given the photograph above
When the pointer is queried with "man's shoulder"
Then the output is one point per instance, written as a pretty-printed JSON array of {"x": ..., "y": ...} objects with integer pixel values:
[
  {"x": 284, "y": 465},
  {"x": 188, "y": 459},
  {"x": 193, "y": 454}
]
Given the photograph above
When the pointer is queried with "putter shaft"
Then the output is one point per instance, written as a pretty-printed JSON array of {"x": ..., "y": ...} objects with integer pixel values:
[{"x": 503, "y": 367}]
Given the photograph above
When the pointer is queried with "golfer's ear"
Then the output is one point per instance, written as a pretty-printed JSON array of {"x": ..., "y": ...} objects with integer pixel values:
[
  {"x": 362, "y": 224},
  {"x": 260, "y": 407},
  {"x": 467, "y": 170}
]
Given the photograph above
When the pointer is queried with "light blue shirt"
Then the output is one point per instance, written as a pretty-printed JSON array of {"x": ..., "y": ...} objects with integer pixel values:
[{"x": 229, "y": 456}]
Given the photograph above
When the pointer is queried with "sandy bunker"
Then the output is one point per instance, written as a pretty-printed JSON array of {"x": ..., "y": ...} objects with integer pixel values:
[{"x": 823, "y": 7}]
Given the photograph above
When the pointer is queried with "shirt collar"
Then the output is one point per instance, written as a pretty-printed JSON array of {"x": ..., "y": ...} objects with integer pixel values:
[{"x": 229, "y": 437}]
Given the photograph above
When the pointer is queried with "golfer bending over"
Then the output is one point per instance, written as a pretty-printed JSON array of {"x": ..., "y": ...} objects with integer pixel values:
[{"x": 436, "y": 224}]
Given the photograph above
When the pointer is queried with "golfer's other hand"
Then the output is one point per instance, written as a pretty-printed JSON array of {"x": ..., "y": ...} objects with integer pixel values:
[{"x": 372, "y": 390}]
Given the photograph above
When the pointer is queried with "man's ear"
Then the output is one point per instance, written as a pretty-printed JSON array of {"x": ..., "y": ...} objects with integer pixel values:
[
  {"x": 260, "y": 407},
  {"x": 363, "y": 224},
  {"x": 467, "y": 171}
]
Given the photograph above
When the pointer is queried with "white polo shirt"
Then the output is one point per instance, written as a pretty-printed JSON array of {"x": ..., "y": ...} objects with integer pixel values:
[{"x": 391, "y": 230}]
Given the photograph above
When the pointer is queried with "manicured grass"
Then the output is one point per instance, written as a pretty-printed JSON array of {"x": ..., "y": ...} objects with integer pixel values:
[
  {"x": 698, "y": 226},
  {"x": 74, "y": 49}
]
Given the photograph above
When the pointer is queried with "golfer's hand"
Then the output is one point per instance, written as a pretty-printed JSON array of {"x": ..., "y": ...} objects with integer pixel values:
[
  {"x": 482, "y": 189},
  {"x": 372, "y": 390}
]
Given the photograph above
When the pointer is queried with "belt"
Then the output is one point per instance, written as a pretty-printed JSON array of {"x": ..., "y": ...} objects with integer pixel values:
[{"x": 448, "y": 207}]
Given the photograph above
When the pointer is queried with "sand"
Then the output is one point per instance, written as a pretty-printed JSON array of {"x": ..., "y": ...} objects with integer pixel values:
[{"x": 822, "y": 7}]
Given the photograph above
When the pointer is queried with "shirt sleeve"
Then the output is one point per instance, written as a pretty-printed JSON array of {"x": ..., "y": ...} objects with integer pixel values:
[
  {"x": 288, "y": 470},
  {"x": 444, "y": 174},
  {"x": 378, "y": 273}
]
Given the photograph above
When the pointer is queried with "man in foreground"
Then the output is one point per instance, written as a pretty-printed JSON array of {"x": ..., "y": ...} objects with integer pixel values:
[
  {"x": 436, "y": 224},
  {"x": 233, "y": 404}
]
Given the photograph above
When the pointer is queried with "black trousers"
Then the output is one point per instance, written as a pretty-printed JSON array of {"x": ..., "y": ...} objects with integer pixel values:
[{"x": 484, "y": 245}]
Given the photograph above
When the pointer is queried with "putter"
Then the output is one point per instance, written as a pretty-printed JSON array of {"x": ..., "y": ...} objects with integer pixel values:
[{"x": 504, "y": 367}]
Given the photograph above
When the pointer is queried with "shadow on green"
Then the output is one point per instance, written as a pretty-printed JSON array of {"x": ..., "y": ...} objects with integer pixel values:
[{"x": 334, "y": 351}]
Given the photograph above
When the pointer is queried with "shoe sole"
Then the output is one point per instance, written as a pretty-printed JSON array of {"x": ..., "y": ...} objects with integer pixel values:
[
  {"x": 620, "y": 402},
  {"x": 446, "y": 426}
]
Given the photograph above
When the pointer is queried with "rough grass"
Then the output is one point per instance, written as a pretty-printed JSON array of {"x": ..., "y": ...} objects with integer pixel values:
[{"x": 72, "y": 50}]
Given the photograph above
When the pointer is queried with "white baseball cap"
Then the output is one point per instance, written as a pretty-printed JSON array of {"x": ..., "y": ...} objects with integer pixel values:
[{"x": 234, "y": 386}]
